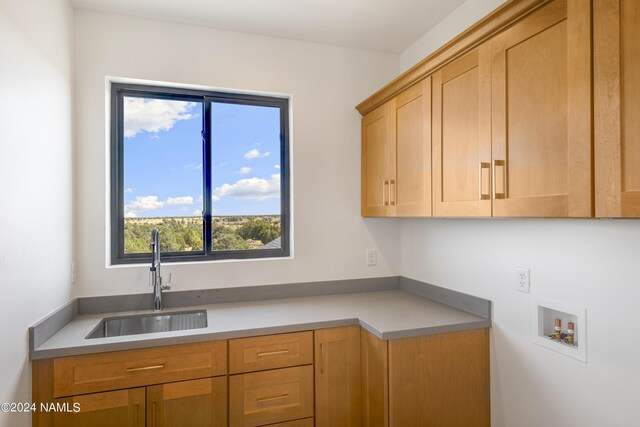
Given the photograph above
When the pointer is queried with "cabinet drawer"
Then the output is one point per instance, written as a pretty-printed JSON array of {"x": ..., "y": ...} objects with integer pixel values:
[
  {"x": 134, "y": 368},
  {"x": 270, "y": 397},
  {"x": 270, "y": 352}
]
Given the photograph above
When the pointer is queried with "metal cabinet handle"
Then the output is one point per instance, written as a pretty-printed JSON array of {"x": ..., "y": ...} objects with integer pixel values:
[
  {"x": 272, "y": 353},
  {"x": 270, "y": 399},
  {"x": 385, "y": 202},
  {"x": 321, "y": 358},
  {"x": 392, "y": 202},
  {"x": 145, "y": 368},
  {"x": 500, "y": 194},
  {"x": 481, "y": 195}
]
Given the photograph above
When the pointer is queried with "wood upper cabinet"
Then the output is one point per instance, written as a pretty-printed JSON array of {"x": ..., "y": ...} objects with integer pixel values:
[
  {"x": 411, "y": 189},
  {"x": 541, "y": 114},
  {"x": 512, "y": 119},
  {"x": 378, "y": 160},
  {"x": 462, "y": 136},
  {"x": 617, "y": 107},
  {"x": 337, "y": 377},
  {"x": 396, "y": 155},
  {"x": 196, "y": 403},
  {"x": 122, "y": 408}
]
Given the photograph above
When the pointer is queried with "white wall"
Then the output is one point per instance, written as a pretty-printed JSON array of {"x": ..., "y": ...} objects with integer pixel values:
[
  {"x": 593, "y": 263},
  {"x": 326, "y": 83},
  {"x": 35, "y": 180},
  {"x": 467, "y": 14}
]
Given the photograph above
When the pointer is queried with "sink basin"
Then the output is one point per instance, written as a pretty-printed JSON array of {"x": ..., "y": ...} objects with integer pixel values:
[{"x": 148, "y": 323}]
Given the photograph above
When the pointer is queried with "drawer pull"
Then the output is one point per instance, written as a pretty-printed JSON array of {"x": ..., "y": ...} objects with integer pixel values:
[
  {"x": 272, "y": 353},
  {"x": 145, "y": 368},
  {"x": 270, "y": 399}
]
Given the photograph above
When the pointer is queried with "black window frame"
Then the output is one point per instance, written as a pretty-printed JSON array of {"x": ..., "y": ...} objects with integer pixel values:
[{"x": 121, "y": 90}]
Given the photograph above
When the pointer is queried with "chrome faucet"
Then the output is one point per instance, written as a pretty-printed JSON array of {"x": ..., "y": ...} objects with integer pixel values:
[{"x": 155, "y": 278}]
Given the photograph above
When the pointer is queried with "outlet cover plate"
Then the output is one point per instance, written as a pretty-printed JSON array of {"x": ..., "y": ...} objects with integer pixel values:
[{"x": 524, "y": 282}]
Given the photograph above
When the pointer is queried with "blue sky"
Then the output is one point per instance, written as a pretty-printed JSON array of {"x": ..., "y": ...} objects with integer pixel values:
[{"x": 163, "y": 158}]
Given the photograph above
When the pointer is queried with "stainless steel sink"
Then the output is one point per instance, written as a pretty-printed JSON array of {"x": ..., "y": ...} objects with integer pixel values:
[{"x": 148, "y": 323}]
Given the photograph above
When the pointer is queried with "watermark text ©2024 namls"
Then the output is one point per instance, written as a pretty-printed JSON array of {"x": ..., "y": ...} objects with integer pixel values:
[{"x": 20, "y": 407}]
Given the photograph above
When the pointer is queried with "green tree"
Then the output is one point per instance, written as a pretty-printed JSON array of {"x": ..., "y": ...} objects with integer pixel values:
[{"x": 259, "y": 229}]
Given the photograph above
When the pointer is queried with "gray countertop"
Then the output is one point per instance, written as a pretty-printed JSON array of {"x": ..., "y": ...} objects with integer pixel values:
[{"x": 388, "y": 314}]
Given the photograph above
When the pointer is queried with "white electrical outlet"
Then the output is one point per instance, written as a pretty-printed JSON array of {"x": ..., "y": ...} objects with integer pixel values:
[
  {"x": 372, "y": 257},
  {"x": 523, "y": 284}
]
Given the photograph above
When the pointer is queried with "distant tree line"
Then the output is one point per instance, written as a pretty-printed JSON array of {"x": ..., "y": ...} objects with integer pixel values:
[{"x": 178, "y": 234}]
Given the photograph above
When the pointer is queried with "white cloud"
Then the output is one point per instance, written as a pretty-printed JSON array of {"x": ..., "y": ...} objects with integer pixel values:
[
  {"x": 151, "y": 203},
  {"x": 276, "y": 166},
  {"x": 141, "y": 204},
  {"x": 183, "y": 200},
  {"x": 255, "y": 154},
  {"x": 250, "y": 189},
  {"x": 197, "y": 212},
  {"x": 244, "y": 170},
  {"x": 153, "y": 115},
  {"x": 128, "y": 190}
]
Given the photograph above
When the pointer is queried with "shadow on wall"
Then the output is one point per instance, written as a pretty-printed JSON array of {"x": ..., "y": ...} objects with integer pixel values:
[{"x": 384, "y": 234}]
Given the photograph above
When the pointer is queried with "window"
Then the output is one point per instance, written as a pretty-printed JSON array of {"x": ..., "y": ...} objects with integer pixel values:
[{"x": 210, "y": 170}]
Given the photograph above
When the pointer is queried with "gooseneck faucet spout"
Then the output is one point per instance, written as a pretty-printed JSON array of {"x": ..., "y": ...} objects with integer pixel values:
[{"x": 155, "y": 278}]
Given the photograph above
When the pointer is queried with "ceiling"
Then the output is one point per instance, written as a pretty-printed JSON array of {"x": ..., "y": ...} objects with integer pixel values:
[{"x": 381, "y": 25}]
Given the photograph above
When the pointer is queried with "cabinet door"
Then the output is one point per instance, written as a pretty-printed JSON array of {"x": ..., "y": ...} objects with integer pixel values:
[
  {"x": 411, "y": 188},
  {"x": 375, "y": 381},
  {"x": 378, "y": 160},
  {"x": 113, "y": 408},
  {"x": 462, "y": 136},
  {"x": 541, "y": 113},
  {"x": 440, "y": 380},
  {"x": 195, "y": 403},
  {"x": 337, "y": 377},
  {"x": 617, "y": 107}
]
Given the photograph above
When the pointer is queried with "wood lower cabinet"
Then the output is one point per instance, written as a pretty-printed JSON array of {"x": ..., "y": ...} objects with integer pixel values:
[
  {"x": 435, "y": 380},
  {"x": 617, "y": 108},
  {"x": 195, "y": 403},
  {"x": 270, "y": 352},
  {"x": 396, "y": 155},
  {"x": 122, "y": 408},
  {"x": 163, "y": 386},
  {"x": 541, "y": 114},
  {"x": 440, "y": 380},
  {"x": 375, "y": 381},
  {"x": 274, "y": 379},
  {"x": 90, "y": 373},
  {"x": 337, "y": 377},
  {"x": 268, "y": 397}
]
